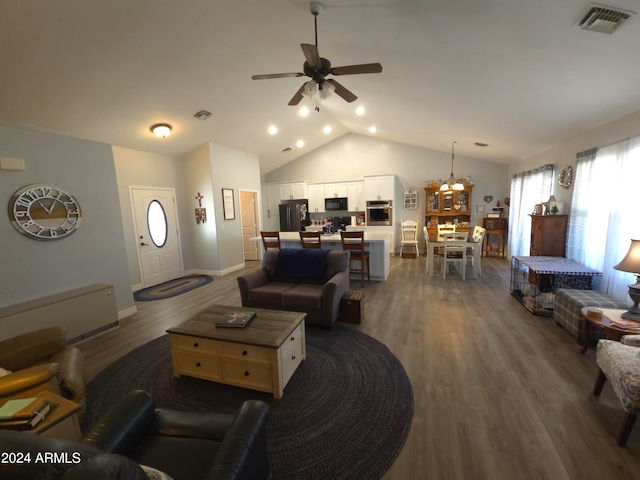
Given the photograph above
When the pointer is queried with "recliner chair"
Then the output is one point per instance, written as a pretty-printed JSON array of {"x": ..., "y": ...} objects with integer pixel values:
[{"x": 185, "y": 446}]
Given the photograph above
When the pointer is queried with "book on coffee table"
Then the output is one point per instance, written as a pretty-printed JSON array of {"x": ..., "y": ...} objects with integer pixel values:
[{"x": 235, "y": 319}]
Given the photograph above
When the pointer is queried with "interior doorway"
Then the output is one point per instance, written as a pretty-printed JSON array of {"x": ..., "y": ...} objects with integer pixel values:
[
  {"x": 249, "y": 221},
  {"x": 157, "y": 237}
]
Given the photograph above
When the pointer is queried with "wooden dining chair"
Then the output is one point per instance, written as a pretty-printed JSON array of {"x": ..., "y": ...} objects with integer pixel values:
[
  {"x": 353, "y": 242},
  {"x": 310, "y": 239},
  {"x": 474, "y": 248},
  {"x": 270, "y": 240},
  {"x": 409, "y": 241},
  {"x": 455, "y": 251}
]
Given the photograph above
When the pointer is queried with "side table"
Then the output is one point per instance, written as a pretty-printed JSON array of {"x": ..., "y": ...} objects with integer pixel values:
[
  {"x": 61, "y": 421},
  {"x": 611, "y": 330}
]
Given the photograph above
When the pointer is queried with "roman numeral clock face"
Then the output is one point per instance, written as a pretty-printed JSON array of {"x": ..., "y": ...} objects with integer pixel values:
[{"x": 44, "y": 212}]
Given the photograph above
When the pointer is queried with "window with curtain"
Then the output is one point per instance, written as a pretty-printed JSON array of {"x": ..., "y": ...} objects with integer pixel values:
[
  {"x": 604, "y": 215},
  {"x": 527, "y": 189}
]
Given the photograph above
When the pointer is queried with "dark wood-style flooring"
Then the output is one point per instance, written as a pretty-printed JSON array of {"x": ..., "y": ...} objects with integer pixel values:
[{"x": 499, "y": 393}]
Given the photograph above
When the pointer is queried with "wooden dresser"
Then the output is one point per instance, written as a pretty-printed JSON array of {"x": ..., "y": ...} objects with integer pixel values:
[{"x": 548, "y": 235}]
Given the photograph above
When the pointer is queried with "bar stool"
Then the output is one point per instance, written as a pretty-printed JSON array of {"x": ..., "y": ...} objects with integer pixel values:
[
  {"x": 270, "y": 240},
  {"x": 353, "y": 242},
  {"x": 310, "y": 240}
]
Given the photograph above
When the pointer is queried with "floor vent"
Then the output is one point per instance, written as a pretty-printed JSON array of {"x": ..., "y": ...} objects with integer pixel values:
[{"x": 603, "y": 19}]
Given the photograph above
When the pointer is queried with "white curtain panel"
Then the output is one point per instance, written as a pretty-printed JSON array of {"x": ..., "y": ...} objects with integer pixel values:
[{"x": 604, "y": 211}]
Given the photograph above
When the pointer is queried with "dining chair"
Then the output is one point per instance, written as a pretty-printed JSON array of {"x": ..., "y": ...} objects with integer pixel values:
[
  {"x": 310, "y": 239},
  {"x": 409, "y": 230},
  {"x": 270, "y": 239},
  {"x": 442, "y": 229},
  {"x": 353, "y": 242},
  {"x": 474, "y": 249},
  {"x": 455, "y": 251}
]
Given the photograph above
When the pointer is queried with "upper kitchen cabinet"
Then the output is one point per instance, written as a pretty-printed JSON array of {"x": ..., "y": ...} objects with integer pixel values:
[
  {"x": 335, "y": 190},
  {"x": 293, "y": 190},
  {"x": 379, "y": 187},
  {"x": 355, "y": 197},
  {"x": 316, "y": 198}
]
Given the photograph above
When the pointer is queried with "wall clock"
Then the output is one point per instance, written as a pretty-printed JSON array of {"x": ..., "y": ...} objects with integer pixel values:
[
  {"x": 44, "y": 212},
  {"x": 565, "y": 179}
]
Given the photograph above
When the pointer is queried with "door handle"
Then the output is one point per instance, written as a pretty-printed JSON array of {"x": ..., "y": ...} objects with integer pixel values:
[{"x": 142, "y": 244}]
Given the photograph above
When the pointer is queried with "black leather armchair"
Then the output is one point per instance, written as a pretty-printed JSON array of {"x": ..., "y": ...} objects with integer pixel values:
[{"x": 185, "y": 446}]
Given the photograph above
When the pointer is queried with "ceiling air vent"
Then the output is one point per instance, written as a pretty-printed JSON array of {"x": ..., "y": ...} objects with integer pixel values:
[{"x": 603, "y": 19}]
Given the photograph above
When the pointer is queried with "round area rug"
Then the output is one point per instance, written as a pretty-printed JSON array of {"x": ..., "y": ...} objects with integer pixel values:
[
  {"x": 172, "y": 288},
  {"x": 345, "y": 413}
]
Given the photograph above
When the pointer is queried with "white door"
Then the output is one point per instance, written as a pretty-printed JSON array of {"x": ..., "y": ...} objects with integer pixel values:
[
  {"x": 249, "y": 221},
  {"x": 157, "y": 237}
]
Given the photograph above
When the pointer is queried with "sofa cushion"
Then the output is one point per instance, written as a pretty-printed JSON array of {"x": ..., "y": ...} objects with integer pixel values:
[
  {"x": 301, "y": 264},
  {"x": 269, "y": 293},
  {"x": 305, "y": 296}
]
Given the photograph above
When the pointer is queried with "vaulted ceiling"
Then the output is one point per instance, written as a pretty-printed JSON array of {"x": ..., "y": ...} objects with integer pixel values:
[{"x": 517, "y": 75}]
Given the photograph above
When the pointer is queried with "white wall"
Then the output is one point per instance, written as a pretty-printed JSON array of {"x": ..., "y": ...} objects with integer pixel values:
[
  {"x": 565, "y": 153},
  {"x": 96, "y": 252},
  {"x": 352, "y": 156}
]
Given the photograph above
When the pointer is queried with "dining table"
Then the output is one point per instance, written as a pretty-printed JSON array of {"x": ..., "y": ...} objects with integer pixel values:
[{"x": 435, "y": 241}]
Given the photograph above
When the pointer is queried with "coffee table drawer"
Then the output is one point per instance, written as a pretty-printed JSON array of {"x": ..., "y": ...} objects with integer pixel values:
[
  {"x": 250, "y": 375},
  {"x": 194, "y": 365},
  {"x": 196, "y": 344},
  {"x": 245, "y": 352},
  {"x": 291, "y": 358}
]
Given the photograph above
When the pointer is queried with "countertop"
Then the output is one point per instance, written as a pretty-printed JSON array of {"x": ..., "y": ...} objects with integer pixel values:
[{"x": 368, "y": 237}]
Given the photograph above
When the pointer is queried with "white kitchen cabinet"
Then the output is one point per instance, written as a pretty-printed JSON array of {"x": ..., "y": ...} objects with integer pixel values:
[
  {"x": 293, "y": 190},
  {"x": 379, "y": 187},
  {"x": 316, "y": 198},
  {"x": 335, "y": 190},
  {"x": 355, "y": 197},
  {"x": 270, "y": 209}
]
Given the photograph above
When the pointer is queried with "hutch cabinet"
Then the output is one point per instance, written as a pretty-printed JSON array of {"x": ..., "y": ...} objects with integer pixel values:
[
  {"x": 548, "y": 235},
  {"x": 447, "y": 207}
]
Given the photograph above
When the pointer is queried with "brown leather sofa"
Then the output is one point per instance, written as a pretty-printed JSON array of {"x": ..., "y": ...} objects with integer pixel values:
[
  {"x": 40, "y": 360},
  {"x": 182, "y": 445}
]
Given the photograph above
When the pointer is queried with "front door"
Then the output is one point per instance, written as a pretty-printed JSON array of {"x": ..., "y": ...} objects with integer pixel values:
[
  {"x": 157, "y": 237},
  {"x": 249, "y": 221}
]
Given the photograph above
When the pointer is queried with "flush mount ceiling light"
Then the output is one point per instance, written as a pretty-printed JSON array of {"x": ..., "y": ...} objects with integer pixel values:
[{"x": 161, "y": 129}]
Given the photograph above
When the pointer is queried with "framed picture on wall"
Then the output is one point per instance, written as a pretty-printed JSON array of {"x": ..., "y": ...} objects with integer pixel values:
[
  {"x": 227, "y": 204},
  {"x": 479, "y": 208}
]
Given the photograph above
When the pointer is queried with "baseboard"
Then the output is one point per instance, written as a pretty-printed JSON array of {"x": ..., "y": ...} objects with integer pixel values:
[
  {"x": 127, "y": 312},
  {"x": 215, "y": 273}
]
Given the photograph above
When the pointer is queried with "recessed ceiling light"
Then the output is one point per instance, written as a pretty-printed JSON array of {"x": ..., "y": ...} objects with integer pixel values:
[
  {"x": 304, "y": 111},
  {"x": 373, "y": 129},
  {"x": 299, "y": 144},
  {"x": 360, "y": 110},
  {"x": 327, "y": 129},
  {"x": 161, "y": 129},
  {"x": 273, "y": 130}
]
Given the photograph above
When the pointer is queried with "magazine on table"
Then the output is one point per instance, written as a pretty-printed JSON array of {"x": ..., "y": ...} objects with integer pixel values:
[{"x": 235, "y": 319}]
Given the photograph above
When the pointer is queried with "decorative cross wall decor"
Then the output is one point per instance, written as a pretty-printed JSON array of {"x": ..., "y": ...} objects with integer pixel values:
[{"x": 201, "y": 213}]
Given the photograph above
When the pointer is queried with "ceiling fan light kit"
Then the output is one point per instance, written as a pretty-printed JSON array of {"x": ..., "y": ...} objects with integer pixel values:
[{"x": 317, "y": 68}]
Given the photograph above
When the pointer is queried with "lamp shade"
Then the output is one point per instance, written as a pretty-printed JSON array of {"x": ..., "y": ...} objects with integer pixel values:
[{"x": 631, "y": 261}]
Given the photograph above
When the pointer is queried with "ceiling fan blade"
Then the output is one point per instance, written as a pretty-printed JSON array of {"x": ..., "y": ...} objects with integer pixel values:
[
  {"x": 295, "y": 100},
  {"x": 356, "y": 69},
  {"x": 343, "y": 92},
  {"x": 311, "y": 54},
  {"x": 276, "y": 75}
]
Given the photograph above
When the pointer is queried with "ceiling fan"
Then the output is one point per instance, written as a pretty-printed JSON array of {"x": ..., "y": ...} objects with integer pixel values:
[{"x": 317, "y": 68}]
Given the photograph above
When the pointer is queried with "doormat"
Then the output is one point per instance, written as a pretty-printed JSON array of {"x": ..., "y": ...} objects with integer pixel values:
[{"x": 172, "y": 288}]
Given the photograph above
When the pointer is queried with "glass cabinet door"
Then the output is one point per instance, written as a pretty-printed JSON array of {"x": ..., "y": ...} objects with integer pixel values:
[
  {"x": 447, "y": 201},
  {"x": 462, "y": 199},
  {"x": 433, "y": 198}
]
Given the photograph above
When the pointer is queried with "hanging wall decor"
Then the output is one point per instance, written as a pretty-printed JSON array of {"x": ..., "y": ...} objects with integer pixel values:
[
  {"x": 227, "y": 204},
  {"x": 201, "y": 213}
]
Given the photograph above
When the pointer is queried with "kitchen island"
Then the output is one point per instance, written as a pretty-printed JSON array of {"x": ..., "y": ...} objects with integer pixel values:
[{"x": 376, "y": 243}]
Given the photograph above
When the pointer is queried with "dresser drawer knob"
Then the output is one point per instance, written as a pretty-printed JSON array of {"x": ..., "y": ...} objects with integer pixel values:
[
  {"x": 244, "y": 352},
  {"x": 292, "y": 339},
  {"x": 293, "y": 357},
  {"x": 197, "y": 364},
  {"x": 246, "y": 374},
  {"x": 196, "y": 345}
]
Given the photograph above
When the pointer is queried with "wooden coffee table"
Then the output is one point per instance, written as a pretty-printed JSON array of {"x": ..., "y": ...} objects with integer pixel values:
[
  {"x": 262, "y": 356},
  {"x": 612, "y": 331}
]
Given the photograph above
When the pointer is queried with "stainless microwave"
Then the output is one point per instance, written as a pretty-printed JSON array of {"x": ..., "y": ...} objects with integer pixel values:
[{"x": 336, "y": 203}]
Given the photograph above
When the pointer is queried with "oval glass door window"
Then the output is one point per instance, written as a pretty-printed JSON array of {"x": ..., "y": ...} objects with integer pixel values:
[{"x": 157, "y": 223}]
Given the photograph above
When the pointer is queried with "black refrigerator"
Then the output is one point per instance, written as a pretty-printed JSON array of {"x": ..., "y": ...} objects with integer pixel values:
[{"x": 294, "y": 215}]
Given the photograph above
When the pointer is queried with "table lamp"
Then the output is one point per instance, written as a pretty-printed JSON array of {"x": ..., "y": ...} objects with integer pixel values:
[{"x": 631, "y": 263}]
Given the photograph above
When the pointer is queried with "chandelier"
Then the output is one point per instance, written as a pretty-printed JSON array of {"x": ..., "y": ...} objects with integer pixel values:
[{"x": 452, "y": 183}]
